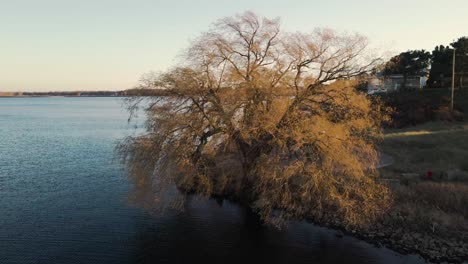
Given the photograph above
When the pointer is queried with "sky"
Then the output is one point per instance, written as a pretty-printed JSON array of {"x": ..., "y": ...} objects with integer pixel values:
[{"x": 63, "y": 45}]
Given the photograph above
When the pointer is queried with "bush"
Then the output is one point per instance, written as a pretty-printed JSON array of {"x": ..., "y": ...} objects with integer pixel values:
[{"x": 417, "y": 107}]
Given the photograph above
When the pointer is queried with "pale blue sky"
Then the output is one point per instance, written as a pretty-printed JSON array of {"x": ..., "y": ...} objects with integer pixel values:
[{"x": 48, "y": 45}]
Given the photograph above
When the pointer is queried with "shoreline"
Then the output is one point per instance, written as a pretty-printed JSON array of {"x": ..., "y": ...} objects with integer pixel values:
[
  {"x": 391, "y": 234},
  {"x": 405, "y": 241}
]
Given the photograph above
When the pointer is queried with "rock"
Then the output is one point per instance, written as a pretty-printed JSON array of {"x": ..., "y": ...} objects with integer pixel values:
[
  {"x": 339, "y": 234},
  {"x": 417, "y": 235},
  {"x": 444, "y": 250}
]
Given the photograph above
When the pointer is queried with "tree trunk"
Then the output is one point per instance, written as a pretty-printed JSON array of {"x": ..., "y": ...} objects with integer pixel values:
[{"x": 251, "y": 152}]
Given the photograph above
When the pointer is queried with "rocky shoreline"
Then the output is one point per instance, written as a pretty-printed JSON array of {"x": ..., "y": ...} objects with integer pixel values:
[
  {"x": 431, "y": 247},
  {"x": 399, "y": 234}
]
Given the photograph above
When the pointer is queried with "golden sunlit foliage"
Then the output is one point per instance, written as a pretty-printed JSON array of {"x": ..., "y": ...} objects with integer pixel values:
[{"x": 267, "y": 117}]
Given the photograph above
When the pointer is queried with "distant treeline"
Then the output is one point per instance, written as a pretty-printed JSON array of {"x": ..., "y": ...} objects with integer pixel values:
[
  {"x": 437, "y": 66},
  {"x": 130, "y": 92},
  {"x": 146, "y": 92}
]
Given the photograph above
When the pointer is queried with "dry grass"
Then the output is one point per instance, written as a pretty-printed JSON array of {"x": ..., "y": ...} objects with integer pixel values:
[
  {"x": 436, "y": 147},
  {"x": 448, "y": 197},
  {"x": 440, "y": 208},
  {"x": 428, "y": 206}
]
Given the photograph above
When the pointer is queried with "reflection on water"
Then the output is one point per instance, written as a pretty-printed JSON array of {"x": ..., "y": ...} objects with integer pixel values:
[{"x": 64, "y": 200}]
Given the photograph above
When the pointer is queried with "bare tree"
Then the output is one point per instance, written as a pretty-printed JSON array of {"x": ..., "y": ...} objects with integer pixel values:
[{"x": 267, "y": 117}]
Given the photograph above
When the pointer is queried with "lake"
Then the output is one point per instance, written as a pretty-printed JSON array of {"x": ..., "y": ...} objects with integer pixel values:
[{"x": 64, "y": 199}]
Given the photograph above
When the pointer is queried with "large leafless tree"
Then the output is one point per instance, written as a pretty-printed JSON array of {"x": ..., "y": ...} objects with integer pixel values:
[{"x": 268, "y": 117}]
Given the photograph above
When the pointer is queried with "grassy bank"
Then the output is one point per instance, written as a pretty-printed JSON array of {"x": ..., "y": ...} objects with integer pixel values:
[
  {"x": 429, "y": 180},
  {"x": 437, "y": 146}
]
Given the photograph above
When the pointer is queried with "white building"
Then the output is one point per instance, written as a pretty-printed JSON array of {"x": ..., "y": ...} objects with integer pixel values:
[{"x": 394, "y": 83}]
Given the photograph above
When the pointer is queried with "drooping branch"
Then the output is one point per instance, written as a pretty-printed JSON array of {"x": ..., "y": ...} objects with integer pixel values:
[{"x": 270, "y": 118}]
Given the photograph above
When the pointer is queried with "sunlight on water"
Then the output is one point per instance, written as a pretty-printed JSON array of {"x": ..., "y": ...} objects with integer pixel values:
[{"x": 64, "y": 200}]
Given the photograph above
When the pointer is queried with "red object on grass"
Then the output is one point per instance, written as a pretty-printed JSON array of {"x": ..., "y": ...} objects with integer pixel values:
[{"x": 429, "y": 175}]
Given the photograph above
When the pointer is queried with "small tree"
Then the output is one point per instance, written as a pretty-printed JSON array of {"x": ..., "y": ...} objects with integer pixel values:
[{"x": 266, "y": 117}]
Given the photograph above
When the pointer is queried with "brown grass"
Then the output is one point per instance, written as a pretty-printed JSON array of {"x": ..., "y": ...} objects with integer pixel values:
[
  {"x": 448, "y": 197},
  {"x": 437, "y": 208},
  {"x": 436, "y": 147}
]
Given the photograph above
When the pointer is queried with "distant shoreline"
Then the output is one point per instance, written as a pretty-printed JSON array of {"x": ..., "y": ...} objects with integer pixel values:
[
  {"x": 124, "y": 93},
  {"x": 61, "y": 96}
]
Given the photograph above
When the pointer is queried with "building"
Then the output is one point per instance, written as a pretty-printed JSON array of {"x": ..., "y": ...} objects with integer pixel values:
[{"x": 395, "y": 82}]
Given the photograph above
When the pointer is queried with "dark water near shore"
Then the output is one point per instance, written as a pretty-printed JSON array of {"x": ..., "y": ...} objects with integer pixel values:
[{"x": 63, "y": 199}]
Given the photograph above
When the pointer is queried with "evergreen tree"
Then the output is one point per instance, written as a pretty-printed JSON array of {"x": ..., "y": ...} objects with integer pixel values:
[{"x": 413, "y": 62}]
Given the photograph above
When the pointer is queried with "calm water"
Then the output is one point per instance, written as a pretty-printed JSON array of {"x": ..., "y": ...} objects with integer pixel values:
[{"x": 63, "y": 199}]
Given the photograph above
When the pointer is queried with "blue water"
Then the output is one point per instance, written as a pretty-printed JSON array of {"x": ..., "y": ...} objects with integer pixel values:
[{"x": 64, "y": 199}]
